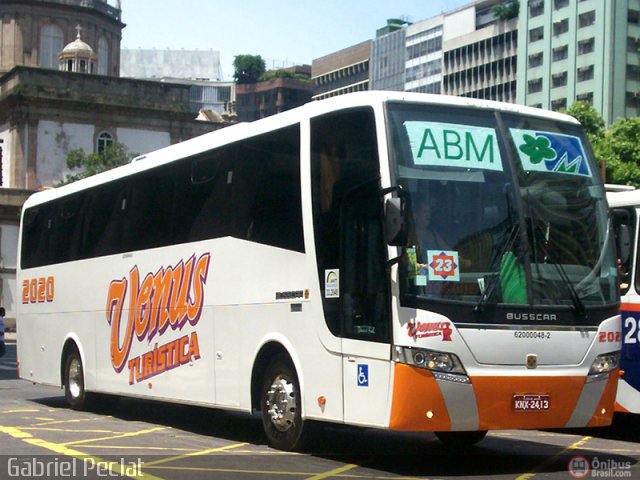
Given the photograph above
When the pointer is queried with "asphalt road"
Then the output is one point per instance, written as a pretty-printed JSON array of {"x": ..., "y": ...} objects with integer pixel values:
[{"x": 154, "y": 440}]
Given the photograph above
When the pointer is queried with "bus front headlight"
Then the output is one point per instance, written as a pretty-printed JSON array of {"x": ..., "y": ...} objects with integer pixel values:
[
  {"x": 605, "y": 363},
  {"x": 430, "y": 360}
]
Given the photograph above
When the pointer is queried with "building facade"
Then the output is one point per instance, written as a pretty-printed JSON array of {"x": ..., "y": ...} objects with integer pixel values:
[
  {"x": 262, "y": 99},
  {"x": 60, "y": 89},
  {"x": 34, "y": 32},
  {"x": 344, "y": 71},
  {"x": 586, "y": 50}
]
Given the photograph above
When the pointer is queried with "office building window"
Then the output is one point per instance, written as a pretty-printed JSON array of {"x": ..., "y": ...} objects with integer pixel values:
[
  {"x": 558, "y": 4},
  {"x": 535, "y": 85},
  {"x": 585, "y": 97},
  {"x": 586, "y": 46},
  {"x": 585, "y": 73},
  {"x": 536, "y": 8},
  {"x": 586, "y": 19},
  {"x": 535, "y": 60},
  {"x": 560, "y": 53},
  {"x": 561, "y": 27},
  {"x": 559, "y": 79},
  {"x": 633, "y": 72},
  {"x": 536, "y": 34},
  {"x": 632, "y": 99},
  {"x": 633, "y": 44},
  {"x": 634, "y": 17},
  {"x": 558, "y": 104}
]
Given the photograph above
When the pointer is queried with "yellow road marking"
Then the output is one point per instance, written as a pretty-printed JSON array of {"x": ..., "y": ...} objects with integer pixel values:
[
  {"x": 67, "y": 430},
  {"x": 20, "y": 411},
  {"x": 124, "y": 435},
  {"x": 130, "y": 447},
  {"x": 192, "y": 454},
  {"x": 56, "y": 422},
  {"x": 332, "y": 473},
  {"x": 45, "y": 419},
  {"x": 63, "y": 450},
  {"x": 548, "y": 461}
]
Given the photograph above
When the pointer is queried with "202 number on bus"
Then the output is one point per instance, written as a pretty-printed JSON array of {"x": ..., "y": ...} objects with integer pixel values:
[{"x": 38, "y": 290}]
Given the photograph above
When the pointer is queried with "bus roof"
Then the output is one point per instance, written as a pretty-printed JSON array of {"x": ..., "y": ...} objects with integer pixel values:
[{"x": 239, "y": 131}]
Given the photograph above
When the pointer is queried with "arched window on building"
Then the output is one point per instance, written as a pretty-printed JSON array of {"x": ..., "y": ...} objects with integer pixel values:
[
  {"x": 104, "y": 140},
  {"x": 51, "y": 43},
  {"x": 103, "y": 56}
]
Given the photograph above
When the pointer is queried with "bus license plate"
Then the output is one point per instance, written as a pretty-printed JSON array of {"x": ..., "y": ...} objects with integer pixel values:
[{"x": 531, "y": 403}]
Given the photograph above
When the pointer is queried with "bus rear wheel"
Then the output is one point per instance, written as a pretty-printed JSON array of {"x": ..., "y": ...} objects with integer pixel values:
[
  {"x": 74, "y": 391},
  {"x": 280, "y": 406},
  {"x": 461, "y": 439}
]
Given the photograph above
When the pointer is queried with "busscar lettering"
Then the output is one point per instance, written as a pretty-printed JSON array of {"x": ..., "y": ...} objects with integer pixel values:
[
  {"x": 169, "y": 298},
  {"x": 535, "y": 317}
]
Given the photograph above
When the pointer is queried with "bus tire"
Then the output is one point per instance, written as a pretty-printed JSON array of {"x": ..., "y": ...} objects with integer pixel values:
[
  {"x": 461, "y": 439},
  {"x": 280, "y": 405},
  {"x": 74, "y": 391}
]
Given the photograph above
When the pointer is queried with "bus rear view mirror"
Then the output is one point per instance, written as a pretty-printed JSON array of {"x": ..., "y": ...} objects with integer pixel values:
[
  {"x": 395, "y": 221},
  {"x": 624, "y": 243}
]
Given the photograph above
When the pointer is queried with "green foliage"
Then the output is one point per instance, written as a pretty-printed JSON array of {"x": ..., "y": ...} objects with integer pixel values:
[
  {"x": 282, "y": 73},
  {"x": 507, "y": 10},
  {"x": 618, "y": 146},
  {"x": 248, "y": 68},
  {"x": 620, "y": 149},
  {"x": 113, "y": 156},
  {"x": 589, "y": 117}
]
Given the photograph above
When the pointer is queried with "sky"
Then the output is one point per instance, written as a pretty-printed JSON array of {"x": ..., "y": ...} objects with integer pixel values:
[{"x": 284, "y": 33}]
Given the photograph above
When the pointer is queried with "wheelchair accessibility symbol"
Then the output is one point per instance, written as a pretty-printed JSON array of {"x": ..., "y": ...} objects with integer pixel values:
[{"x": 363, "y": 375}]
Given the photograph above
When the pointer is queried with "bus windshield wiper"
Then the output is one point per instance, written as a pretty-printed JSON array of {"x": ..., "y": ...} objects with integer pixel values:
[
  {"x": 578, "y": 304},
  {"x": 494, "y": 274}
]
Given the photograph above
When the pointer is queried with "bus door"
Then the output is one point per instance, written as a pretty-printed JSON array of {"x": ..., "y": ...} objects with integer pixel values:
[
  {"x": 626, "y": 234},
  {"x": 351, "y": 255}
]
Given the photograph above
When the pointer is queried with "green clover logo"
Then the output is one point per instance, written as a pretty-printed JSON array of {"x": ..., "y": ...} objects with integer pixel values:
[{"x": 537, "y": 149}]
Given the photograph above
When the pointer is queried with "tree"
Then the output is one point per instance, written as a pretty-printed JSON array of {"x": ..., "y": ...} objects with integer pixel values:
[
  {"x": 112, "y": 156},
  {"x": 248, "y": 68},
  {"x": 620, "y": 149},
  {"x": 618, "y": 146},
  {"x": 507, "y": 10},
  {"x": 589, "y": 117}
]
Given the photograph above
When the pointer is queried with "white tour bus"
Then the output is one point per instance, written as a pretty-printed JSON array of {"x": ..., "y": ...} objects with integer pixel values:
[
  {"x": 392, "y": 260},
  {"x": 625, "y": 210}
]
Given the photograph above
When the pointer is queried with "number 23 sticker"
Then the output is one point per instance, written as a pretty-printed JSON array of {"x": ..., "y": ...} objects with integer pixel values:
[{"x": 443, "y": 265}]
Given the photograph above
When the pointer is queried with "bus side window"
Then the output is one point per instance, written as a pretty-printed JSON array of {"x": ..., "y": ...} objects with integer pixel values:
[
  {"x": 347, "y": 219},
  {"x": 102, "y": 231},
  {"x": 267, "y": 195},
  {"x": 35, "y": 235},
  {"x": 203, "y": 198},
  {"x": 65, "y": 229}
]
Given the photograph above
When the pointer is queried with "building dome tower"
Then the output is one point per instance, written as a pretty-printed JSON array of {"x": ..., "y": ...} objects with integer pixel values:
[{"x": 78, "y": 56}]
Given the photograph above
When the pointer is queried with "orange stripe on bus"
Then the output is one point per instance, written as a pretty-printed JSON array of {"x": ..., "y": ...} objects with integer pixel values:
[
  {"x": 495, "y": 401},
  {"x": 604, "y": 413},
  {"x": 621, "y": 409},
  {"x": 418, "y": 404},
  {"x": 630, "y": 306}
]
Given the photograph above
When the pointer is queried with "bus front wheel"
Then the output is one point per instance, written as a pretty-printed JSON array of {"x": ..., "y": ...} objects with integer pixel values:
[
  {"x": 280, "y": 404},
  {"x": 74, "y": 390}
]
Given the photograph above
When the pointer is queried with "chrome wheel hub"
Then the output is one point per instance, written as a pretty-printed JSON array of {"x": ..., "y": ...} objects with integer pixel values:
[
  {"x": 281, "y": 403},
  {"x": 75, "y": 378}
]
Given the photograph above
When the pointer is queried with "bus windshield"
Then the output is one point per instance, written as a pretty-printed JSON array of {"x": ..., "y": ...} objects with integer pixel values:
[{"x": 504, "y": 209}]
